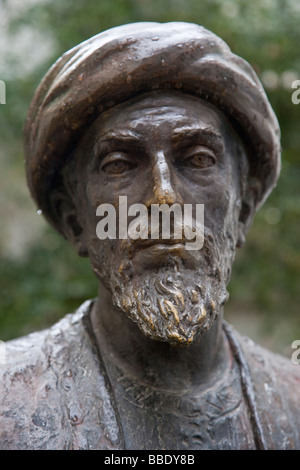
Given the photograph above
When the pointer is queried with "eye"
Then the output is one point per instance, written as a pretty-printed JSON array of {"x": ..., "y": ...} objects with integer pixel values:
[
  {"x": 115, "y": 168},
  {"x": 200, "y": 157},
  {"x": 116, "y": 164}
]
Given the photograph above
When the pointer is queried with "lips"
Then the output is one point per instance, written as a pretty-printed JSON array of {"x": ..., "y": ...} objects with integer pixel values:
[{"x": 166, "y": 243}]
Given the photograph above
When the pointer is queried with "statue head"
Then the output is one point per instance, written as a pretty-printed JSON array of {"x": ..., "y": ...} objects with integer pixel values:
[{"x": 154, "y": 114}]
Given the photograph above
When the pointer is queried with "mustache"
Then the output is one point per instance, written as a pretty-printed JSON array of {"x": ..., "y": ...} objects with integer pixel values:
[
  {"x": 145, "y": 233},
  {"x": 209, "y": 252}
]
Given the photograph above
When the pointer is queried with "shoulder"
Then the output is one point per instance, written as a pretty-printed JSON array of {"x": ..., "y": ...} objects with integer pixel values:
[
  {"x": 276, "y": 385},
  {"x": 29, "y": 358},
  {"x": 273, "y": 370},
  {"x": 48, "y": 390}
]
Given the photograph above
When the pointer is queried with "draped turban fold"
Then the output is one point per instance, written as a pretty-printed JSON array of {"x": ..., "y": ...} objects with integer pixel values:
[{"x": 125, "y": 61}]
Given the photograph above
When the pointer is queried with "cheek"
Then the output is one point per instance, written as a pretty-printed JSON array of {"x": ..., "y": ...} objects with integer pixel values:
[
  {"x": 94, "y": 191},
  {"x": 104, "y": 256},
  {"x": 92, "y": 196},
  {"x": 217, "y": 209},
  {"x": 217, "y": 193},
  {"x": 100, "y": 189}
]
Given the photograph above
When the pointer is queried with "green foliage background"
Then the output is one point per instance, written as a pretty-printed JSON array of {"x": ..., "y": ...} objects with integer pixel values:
[{"x": 43, "y": 279}]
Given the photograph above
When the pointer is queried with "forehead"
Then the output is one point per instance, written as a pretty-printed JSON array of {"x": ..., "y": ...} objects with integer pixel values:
[{"x": 152, "y": 110}]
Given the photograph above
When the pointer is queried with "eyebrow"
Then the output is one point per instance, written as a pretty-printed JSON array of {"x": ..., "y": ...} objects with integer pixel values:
[
  {"x": 210, "y": 133},
  {"x": 179, "y": 135},
  {"x": 125, "y": 135}
]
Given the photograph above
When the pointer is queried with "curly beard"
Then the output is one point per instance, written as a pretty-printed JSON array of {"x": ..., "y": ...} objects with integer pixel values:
[{"x": 171, "y": 306}]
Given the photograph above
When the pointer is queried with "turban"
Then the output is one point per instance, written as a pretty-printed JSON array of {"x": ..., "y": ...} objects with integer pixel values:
[{"x": 125, "y": 61}]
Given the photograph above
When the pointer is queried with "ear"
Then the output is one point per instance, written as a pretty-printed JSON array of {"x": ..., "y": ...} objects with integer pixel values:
[
  {"x": 64, "y": 211},
  {"x": 248, "y": 209}
]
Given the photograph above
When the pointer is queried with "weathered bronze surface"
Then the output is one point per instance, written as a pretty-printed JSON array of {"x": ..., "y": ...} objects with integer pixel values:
[{"x": 161, "y": 114}]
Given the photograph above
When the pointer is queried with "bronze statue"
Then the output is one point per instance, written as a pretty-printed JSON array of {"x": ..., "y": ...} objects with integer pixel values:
[{"x": 161, "y": 114}]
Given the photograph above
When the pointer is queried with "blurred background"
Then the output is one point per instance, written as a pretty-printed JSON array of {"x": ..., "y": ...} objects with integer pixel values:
[{"x": 41, "y": 277}]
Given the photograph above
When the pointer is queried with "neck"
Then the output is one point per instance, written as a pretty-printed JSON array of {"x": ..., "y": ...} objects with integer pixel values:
[{"x": 154, "y": 363}]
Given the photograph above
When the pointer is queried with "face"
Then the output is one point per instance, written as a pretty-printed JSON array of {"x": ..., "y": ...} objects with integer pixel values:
[{"x": 162, "y": 148}]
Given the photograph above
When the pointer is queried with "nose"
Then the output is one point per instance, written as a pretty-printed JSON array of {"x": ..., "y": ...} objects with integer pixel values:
[{"x": 163, "y": 192}]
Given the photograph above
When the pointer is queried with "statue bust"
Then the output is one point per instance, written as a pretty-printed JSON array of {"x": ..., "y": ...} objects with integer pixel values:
[{"x": 158, "y": 115}]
